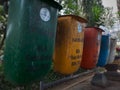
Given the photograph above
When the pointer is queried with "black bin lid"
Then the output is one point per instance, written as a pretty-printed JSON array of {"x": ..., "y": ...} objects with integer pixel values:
[
  {"x": 2, "y": 1},
  {"x": 53, "y": 4},
  {"x": 49, "y": 2}
]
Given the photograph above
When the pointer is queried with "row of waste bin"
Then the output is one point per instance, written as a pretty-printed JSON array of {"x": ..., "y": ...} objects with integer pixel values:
[
  {"x": 77, "y": 46},
  {"x": 32, "y": 42}
]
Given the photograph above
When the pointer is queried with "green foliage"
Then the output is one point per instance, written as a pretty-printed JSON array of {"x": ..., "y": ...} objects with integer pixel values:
[
  {"x": 3, "y": 24},
  {"x": 107, "y": 17},
  {"x": 97, "y": 13},
  {"x": 1, "y": 10},
  {"x": 73, "y": 7},
  {"x": 118, "y": 15},
  {"x": 90, "y": 9},
  {"x": 3, "y": 18},
  {"x": 93, "y": 10}
]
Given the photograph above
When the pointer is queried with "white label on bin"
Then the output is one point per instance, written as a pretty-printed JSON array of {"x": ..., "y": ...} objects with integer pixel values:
[
  {"x": 99, "y": 36},
  {"x": 45, "y": 14},
  {"x": 79, "y": 27}
]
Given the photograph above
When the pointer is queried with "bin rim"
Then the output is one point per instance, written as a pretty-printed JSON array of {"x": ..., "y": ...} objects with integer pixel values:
[
  {"x": 78, "y": 18},
  {"x": 96, "y": 28},
  {"x": 107, "y": 35},
  {"x": 53, "y": 4},
  {"x": 112, "y": 37}
]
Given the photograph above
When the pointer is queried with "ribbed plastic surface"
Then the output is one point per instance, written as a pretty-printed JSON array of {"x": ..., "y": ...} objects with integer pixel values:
[
  {"x": 92, "y": 40},
  {"x": 69, "y": 44},
  {"x": 30, "y": 40},
  {"x": 104, "y": 50},
  {"x": 112, "y": 50}
]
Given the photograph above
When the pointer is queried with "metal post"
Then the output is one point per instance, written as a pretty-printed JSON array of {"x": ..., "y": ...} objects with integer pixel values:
[
  {"x": 18, "y": 88},
  {"x": 41, "y": 85}
]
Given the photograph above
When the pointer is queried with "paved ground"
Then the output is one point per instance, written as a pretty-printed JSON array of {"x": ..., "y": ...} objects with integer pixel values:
[
  {"x": 113, "y": 85},
  {"x": 71, "y": 83},
  {"x": 84, "y": 83}
]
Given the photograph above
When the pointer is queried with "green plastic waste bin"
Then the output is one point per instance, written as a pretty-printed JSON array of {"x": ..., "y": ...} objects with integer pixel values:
[{"x": 30, "y": 40}]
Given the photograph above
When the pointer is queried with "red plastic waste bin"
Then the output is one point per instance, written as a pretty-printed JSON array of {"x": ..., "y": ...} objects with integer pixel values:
[{"x": 92, "y": 40}]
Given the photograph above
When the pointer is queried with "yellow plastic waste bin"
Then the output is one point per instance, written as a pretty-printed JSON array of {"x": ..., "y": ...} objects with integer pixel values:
[{"x": 69, "y": 44}]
